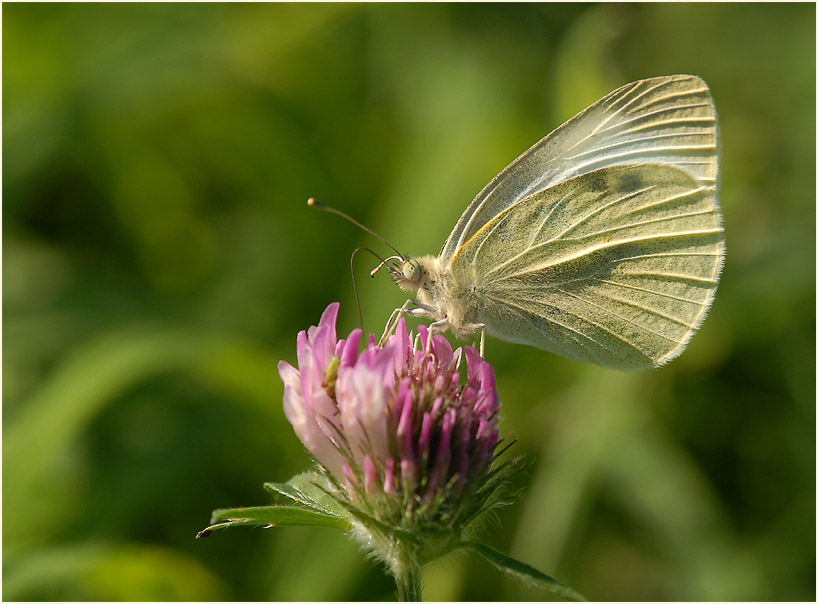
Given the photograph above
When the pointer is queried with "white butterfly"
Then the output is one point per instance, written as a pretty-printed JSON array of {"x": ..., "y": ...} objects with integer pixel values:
[{"x": 603, "y": 242}]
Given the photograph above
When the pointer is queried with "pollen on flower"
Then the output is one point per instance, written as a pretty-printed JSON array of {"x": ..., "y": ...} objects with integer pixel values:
[{"x": 402, "y": 437}]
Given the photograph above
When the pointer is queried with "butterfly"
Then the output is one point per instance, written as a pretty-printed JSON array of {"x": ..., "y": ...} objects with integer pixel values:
[{"x": 603, "y": 242}]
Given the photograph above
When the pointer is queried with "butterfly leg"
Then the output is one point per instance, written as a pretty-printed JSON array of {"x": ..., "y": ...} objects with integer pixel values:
[
  {"x": 438, "y": 327},
  {"x": 472, "y": 328},
  {"x": 482, "y": 328},
  {"x": 392, "y": 322},
  {"x": 422, "y": 310}
]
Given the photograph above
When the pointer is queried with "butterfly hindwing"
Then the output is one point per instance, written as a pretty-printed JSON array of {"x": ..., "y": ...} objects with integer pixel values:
[{"x": 617, "y": 266}]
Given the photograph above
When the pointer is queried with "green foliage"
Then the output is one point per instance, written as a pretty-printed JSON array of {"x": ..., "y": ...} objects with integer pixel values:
[
  {"x": 315, "y": 507},
  {"x": 159, "y": 258},
  {"x": 269, "y": 516},
  {"x": 524, "y": 572},
  {"x": 303, "y": 489}
]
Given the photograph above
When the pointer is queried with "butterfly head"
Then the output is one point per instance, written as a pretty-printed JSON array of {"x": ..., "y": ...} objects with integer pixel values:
[
  {"x": 408, "y": 273},
  {"x": 415, "y": 274}
]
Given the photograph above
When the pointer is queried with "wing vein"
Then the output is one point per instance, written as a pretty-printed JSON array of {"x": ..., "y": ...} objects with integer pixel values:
[
  {"x": 596, "y": 211},
  {"x": 631, "y": 141},
  {"x": 631, "y": 303},
  {"x": 649, "y": 291},
  {"x": 574, "y": 331},
  {"x": 704, "y": 119},
  {"x": 646, "y": 116},
  {"x": 634, "y": 97},
  {"x": 618, "y": 316},
  {"x": 595, "y": 248}
]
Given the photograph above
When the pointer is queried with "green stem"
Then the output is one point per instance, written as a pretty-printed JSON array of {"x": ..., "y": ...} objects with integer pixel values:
[{"x": 410, "y": 583}]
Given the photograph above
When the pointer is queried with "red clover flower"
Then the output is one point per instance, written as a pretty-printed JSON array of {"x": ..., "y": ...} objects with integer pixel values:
[
  {"x": 406, "y": 446},
  {"x": 401, "y": 439}
]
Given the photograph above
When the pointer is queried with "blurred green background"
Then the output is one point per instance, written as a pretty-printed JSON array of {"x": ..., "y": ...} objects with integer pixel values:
[{"x": 159, "y": 258}]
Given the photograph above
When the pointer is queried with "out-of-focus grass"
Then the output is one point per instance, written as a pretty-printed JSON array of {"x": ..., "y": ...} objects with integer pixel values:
[{"x": 158, "y": 260}]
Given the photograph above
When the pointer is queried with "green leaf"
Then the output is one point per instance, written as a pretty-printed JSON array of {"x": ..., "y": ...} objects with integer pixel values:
[
  {"x": 306, "y": 490},
  {"x": 524, "y": 572},
  {"x": 273, "y": 515}
]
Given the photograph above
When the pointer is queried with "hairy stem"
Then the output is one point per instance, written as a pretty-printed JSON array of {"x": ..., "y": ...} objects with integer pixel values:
[{"x": 410, "y": 583}]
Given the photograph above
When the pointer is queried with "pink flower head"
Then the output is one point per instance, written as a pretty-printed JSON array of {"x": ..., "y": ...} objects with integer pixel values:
[{"x": 393, "y": 425}]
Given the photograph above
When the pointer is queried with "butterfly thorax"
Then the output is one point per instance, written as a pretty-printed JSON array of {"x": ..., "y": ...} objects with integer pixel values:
[{"x": 438, "y": 290}]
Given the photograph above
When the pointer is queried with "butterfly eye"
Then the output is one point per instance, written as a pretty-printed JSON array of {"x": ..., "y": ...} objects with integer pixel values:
[{"x": 411, "y": 270}]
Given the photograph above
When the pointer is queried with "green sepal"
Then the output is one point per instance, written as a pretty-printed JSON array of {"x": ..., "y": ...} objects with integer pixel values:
[
  {"x": 523, "y": 571},
  {"x": 272, "y": 515},
  {"x": 306, "y": 489}
]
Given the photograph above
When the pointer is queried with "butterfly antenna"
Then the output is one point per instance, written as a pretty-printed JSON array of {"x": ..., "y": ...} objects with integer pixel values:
[
  {"x": 355, "y": 284},
  {"x": 314, "y": 204}
]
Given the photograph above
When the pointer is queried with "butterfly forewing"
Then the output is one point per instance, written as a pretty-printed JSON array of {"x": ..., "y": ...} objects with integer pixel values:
[
  {"x": 669, "y": 120},
  {"x": 616, "y": 266}
]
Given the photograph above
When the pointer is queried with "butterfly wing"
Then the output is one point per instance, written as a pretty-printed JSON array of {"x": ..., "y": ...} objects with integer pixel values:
[
  {"x": 617, "y": 266},
  {"x": 667, "y": 120}
]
